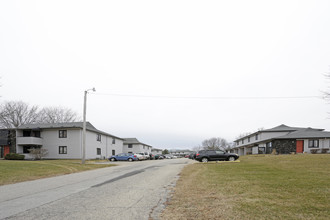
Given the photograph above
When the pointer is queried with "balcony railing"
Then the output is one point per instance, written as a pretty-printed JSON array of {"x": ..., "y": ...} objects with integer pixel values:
[{"x": 29, "y": 141}]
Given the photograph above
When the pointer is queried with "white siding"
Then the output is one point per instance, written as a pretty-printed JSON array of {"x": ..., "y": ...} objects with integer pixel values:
[
  {"x": 255, "y": 150},
  {"x": 73, "y": 142},
  {"x": 323, "y": 143},
  {"x": 117, "y": 146},
  {"x": 51, "y": 142},
  {"x": 136, "y": 148},
  {"x": 105, "y": 145}
]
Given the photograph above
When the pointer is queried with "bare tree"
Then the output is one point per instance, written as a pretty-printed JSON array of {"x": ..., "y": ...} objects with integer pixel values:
[
  {"x": 16, "y": 113},
  {"x": 327, "y": 93},
  {"x": 215, "y": 144},
  {"x": 57, "y": 115},
  {"x": 197, "y": 148}
]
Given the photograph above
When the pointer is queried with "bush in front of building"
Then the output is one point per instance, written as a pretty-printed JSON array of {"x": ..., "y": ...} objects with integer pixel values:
[{"x": 13, "y": 156}]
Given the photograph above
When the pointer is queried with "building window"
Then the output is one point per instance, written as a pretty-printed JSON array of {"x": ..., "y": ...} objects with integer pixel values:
[
  {"x": 130, "y": 146},
  {"x": 113, "y": 152},
  {"x": 98, "y": 151},
  {"x": 242, "y": 141},
  {"x": 313, "y": 143},
  {"x": 113, "y": 141},
  {"x": 98, "y": 137},
  {"x": 62, "y": 149},
  {"x": 62, "y": 134},
  {"x": 256, "y": 136},
  {"x": 130, "y": 152},
  {"x": 248, "y": 139}
]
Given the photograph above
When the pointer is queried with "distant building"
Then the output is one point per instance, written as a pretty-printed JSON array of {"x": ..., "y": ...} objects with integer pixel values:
[
  {"x": 133, "y": 145},
  {"x": 284, "y": 140},
  {"x": 156, "y": 151}
]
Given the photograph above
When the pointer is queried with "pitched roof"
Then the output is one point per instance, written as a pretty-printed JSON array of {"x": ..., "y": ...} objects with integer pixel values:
[
  {"x": 134, "y": 141},
  {"x": 79, "y": 125},
  {"x": 306, "y": 133},
  {"x": 284, "y": 127},
  {"x": 131, "y": 141},
  {"x": 281, "y": 128}
]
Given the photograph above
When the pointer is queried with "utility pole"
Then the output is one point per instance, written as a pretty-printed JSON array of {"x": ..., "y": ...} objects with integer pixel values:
[{"x": 84, "y": 127}]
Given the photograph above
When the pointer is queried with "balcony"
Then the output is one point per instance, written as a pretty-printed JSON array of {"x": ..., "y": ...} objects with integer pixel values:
[{"x": 29, "y": 141}]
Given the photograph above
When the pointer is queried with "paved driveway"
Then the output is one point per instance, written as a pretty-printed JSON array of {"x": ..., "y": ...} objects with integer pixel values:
[{"x": 132, "y": 190}]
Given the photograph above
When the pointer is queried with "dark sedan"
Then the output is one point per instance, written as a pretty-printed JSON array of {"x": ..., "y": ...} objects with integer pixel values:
[{"x": 215, "y": 155}]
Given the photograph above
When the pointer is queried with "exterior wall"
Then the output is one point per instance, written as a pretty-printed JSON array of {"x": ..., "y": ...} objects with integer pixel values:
[
  {"x": 105, "y": 145},
  {"x": 73, "y": 142},
  {"x": 255, "y": 150},
  {"x": 240, "y": 151},
  {"x": 148, "y": 149},
  {"x": 323, "y": 144},
  {"x": 51, "y": 142},
  {"x": 136, "y": 148},
  {"x": 262, "y": 136},
  {"x": 117, "y": 147},
  {"x": 92, "y": 144}
]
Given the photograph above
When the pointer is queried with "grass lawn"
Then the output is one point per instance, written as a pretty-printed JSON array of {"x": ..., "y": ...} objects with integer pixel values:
[
  {"x": 14, "y": 171},
  {"x": 257, "y": 187}
]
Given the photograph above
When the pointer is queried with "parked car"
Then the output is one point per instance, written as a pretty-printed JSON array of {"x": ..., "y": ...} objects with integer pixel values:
[
  {"x": 215, "y": 155},
  {"x": 187, "y": 156},
  {"x": 168, "y": 156},
  {"x": 192, "y": 156},
  {"x": 140, "y": 156},
  {"x": 123, "y": 156},
  {"x": 146, "y": 154}
]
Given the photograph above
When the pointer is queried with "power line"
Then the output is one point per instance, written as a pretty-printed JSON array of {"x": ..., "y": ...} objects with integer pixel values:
[{"x": 211, "y": 97}]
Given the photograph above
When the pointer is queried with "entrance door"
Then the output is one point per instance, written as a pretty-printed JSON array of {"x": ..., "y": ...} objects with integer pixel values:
[{"x": 300, "y": 147}]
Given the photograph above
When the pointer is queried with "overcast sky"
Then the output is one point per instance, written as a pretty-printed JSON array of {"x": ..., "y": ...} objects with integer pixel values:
[{"x": 170, "y": 51}]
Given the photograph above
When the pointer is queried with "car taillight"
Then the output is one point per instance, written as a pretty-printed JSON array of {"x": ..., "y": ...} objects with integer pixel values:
[
  {"x": 197, "y": 155},
  {"x": 134, "y": 155}
]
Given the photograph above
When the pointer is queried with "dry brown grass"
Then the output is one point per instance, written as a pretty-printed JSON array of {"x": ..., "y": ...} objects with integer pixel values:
[
  {"x": 259, "y": 187},
  {"x": 194, "y": 198},
  {"x": 13, "y": 171}
]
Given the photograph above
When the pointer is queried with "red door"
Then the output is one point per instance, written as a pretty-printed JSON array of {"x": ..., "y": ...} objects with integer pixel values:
[{"x": 300, "y": 147}]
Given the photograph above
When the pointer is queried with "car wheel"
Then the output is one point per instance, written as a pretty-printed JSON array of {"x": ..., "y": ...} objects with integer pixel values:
[
  {"x": 130, "y": 159},
  {"x": 204, "y": 160},
  {"x": 231, "y": 158},
  {"x": 112, "y": 159}
]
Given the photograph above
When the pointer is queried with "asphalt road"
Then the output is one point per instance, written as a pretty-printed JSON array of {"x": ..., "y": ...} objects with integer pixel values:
[{"x": 132, "y": 190}]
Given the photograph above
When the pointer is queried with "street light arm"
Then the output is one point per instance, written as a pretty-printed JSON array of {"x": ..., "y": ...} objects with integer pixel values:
[{"x": 92, "y": 89}]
